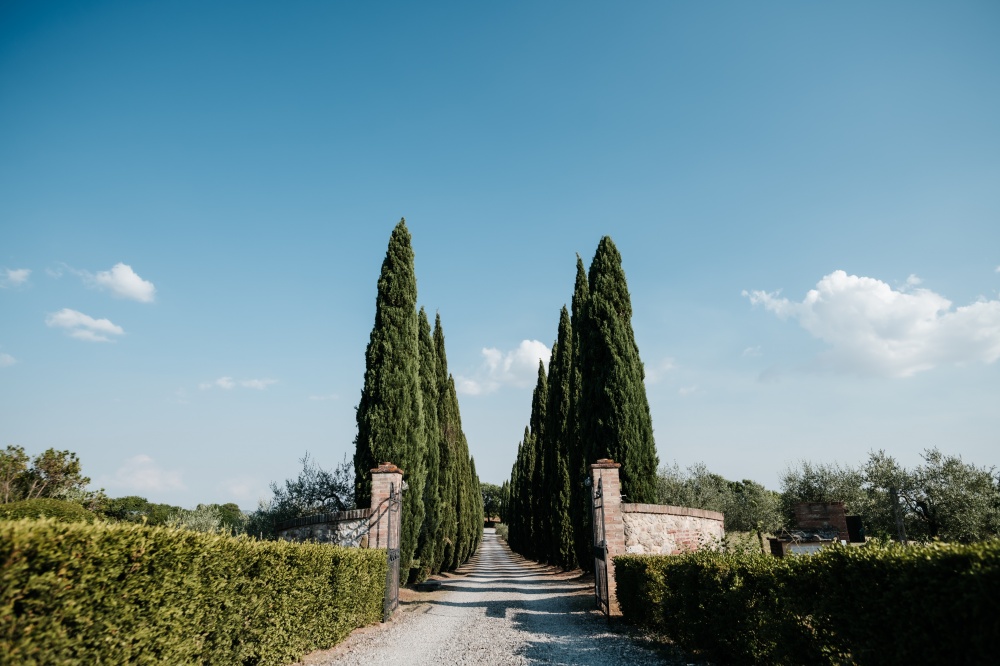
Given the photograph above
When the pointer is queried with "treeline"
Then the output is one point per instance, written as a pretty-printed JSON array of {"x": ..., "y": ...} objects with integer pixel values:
[
  {"x": 409, "y": 415},
  {"x": 591, "y": 404}
]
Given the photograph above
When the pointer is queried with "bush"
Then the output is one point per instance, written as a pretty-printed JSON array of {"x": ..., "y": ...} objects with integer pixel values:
[
  {"x": 121, "y": 593},
  {"x": 45, "y": 507},
  {"x": 872, "y": 605}
]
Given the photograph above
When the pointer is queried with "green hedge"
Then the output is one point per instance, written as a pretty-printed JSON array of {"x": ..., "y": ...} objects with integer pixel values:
[
  {"x": 91, "y": 594},
  {"x": 46, "y": 507},
  {"x": 924, "y": 604}
]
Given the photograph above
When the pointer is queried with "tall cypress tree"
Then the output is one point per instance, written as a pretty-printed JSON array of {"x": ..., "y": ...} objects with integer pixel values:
[
  {"x": 557, "y": 432},
  {"x": 389, "y": 414},
  {"x": 539, "y": 479},
  {"x": 614, "y": 410},
  {"x": 525, "y": 500},
  {"x": 579, "y": 458},
  {"x": 446, "y": 555},
  {"x": 427, "y": 542}
]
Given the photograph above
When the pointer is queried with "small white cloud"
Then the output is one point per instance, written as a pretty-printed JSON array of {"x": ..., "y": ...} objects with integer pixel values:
[
  {"x": 913, "y": 281},
  {"x": 7, "y": 360},
  {"x": 14, "y": 277},
  {"x": 258, "y": 384},
  {"x": 124, "y": 282},
  {"x": 656, "y": 372},
  {"x": 331, "y": 396},
  {"x": 997, "y": 270},
  {"x": 873, "y": 329},
  {"x": 752, "y": 351},
  {"x": 141, "y": 474},
  {"x": 685, "y": 391},
  {"x": 84, "y": 327},
  {"x": 242, "y": 488},
  {"x": 518, "y": 368},
  {"x": 222, "y": 382}
]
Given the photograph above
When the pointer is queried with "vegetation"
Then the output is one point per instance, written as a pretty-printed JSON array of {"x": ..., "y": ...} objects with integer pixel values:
[
  {"x": 53, "y": 474},
  {"x": 592, "y": 405},
  {"x": 46, "y": 507},
  {"x": 126, "y": 593},
  {"x": 314, "y": 491},
  {"x": 924, "y": 604}
]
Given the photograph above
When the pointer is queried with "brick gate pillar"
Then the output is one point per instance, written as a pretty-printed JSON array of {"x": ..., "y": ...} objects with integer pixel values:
[
  {"x": 385, "y": 478},
  {"x": 606, "y": 471}
]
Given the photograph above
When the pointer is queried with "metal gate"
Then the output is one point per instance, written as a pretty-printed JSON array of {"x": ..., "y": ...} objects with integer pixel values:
[
  {"x": 600, "y": 551},
  {"x": 391, "y": 600}
]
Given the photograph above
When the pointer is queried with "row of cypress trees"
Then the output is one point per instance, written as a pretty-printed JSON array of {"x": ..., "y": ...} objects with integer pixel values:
[
  {"x": 408, "y": 415},
  {"x": 592, "y": 404}
]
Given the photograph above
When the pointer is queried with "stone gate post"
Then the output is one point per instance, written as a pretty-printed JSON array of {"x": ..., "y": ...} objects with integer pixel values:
[
  {"x": 385, "y": 478},
  {"x": 605, "y": 470}
]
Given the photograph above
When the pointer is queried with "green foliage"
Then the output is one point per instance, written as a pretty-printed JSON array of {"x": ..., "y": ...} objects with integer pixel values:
[
  {"x": 747, "y": 505},
  {"x": 46, "y": 507},
  {"x": 492, "y": 499},
  {"x": 135, "y": 509},
  {"x": 427, "y": 544},
  {"x": 315, "y": 490},
  {"x": 52, "y": 473},
  {"x": 871, "y": 605},
  {"x": 125, "y": 593},
  {"x": 558, "y": 433},
  {"x": 614, "y": 412},
  {"x": 389, "y": 414}
]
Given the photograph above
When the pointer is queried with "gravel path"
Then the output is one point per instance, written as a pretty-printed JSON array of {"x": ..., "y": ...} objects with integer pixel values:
[{"x": 500, "y": 609}]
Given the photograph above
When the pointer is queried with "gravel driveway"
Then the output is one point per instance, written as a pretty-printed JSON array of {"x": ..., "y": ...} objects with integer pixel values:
[{"x": 499, "y": 609}]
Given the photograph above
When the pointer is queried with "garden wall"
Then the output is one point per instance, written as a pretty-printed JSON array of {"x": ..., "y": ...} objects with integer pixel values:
[{"x": 654, "y": 529}]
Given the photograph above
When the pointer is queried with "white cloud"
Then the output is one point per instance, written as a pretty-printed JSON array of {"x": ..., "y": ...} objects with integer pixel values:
[
  {"x": 14, "y": 277},
  {"x": 331, "y": 396},
  {"x": 222, "y": 382},
  {"x": 259, "y": 384},
  {"x": 752, "y": 351},
  {"x": 84, "y": 327},
  {"x": 876, "y": 330},
  {"x": 242, "y": 488},
  {"x": 7, "y": 360},
  {"x": 124, "y": 282},
  {"x": 656, "y": 372},
  {"x": 141, "y": 474},
  {"x": 518, "y": 368},
  {"x": 685, "y": 391}
]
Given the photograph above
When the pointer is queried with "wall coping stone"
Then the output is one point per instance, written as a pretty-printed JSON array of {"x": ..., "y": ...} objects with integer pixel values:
[{"x": 672, "y": 511}]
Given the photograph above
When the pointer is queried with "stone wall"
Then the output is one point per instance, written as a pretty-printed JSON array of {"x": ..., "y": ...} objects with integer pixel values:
[
  {"x": 654, "y": 529},
  {"x": 344, "y": 528}
]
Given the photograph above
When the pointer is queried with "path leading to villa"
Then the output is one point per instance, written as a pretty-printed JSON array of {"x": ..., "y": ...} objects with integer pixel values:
[{"x": 501, "y": 609}]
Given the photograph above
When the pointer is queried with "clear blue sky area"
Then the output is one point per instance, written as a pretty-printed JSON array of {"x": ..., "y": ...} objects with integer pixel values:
[{"x": 196, "y": 197}]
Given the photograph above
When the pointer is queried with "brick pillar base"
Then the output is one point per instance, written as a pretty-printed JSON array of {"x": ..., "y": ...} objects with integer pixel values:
[
  {"x": 606, "y": 471},
  {"x": 385, "y": 479}
]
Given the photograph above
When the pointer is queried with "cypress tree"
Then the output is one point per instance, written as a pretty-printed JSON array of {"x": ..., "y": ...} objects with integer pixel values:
[
  {"x": 448, "y": 529},
  {"x": 557, "y": 431},
  {"x": 427, "y": 543},
  {"x": 614, "y": 410},
  {"x": 389, "y": 414},
  {"x": 579, "y": 459},
  {"x": 539, "y": 480},
  {"x": 526, "y": 473}
]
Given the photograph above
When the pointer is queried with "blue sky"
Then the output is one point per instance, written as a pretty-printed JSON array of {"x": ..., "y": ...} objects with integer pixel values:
[{"x": 195, "y": 200}]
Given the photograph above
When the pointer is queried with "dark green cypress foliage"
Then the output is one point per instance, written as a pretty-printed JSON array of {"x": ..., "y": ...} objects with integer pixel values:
[
  {"x": 427, "y": 543},
  {"x": 515, "y": 520},
  {"x": 525, "y": 500},
  {"x": 390, "y": 422},
  {"x": 614, "y": 411},
  {"x": 539, "y": 486},
  {"x": 448, "y": 530},
  {"x": 557, "y": 432},
  {"x": 579, "y": 459},
  {"x": 478, "y": 518}
]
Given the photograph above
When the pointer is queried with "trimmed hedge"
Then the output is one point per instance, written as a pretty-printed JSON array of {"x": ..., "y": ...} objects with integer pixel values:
[
  {"x": 923, "y": 604},
  {"x": 119, "y": 593},
  {"x": 46, "y": 507}
]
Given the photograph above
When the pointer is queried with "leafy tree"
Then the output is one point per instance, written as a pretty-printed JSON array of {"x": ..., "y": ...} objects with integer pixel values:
[
  {"x": 52, "y": 474},
  {"x": 135, "y": 509},
  {"x": 314, "y": 491},
  {"x": 389, "y": 414},
  {"x": 492, "y": 500},
  {"x": 579, "y": 457},
  {"x": 539, "y": 474},
  {"x": 447, "y": 406},
  {"x": 822, "y": 482},
  {"x": 614, "y": 411}
]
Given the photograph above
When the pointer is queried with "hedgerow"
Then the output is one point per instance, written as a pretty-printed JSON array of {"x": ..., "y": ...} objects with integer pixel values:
[
  {"x": 46, "y": 507},
  {"x": 924, "y": 604},
  {"x": 83, "y": 594}
]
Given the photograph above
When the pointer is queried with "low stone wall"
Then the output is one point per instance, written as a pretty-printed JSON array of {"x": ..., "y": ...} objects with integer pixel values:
[
  {"x": 655, "y": 529},
  {"x": 344, "y": 528}
]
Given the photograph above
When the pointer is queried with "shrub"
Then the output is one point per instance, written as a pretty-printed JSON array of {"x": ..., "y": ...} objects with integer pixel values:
[
  {"x": 872, "y": 605},
  {"x": 45, "y": 507},
  {"x": 126, "y": 593}
]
